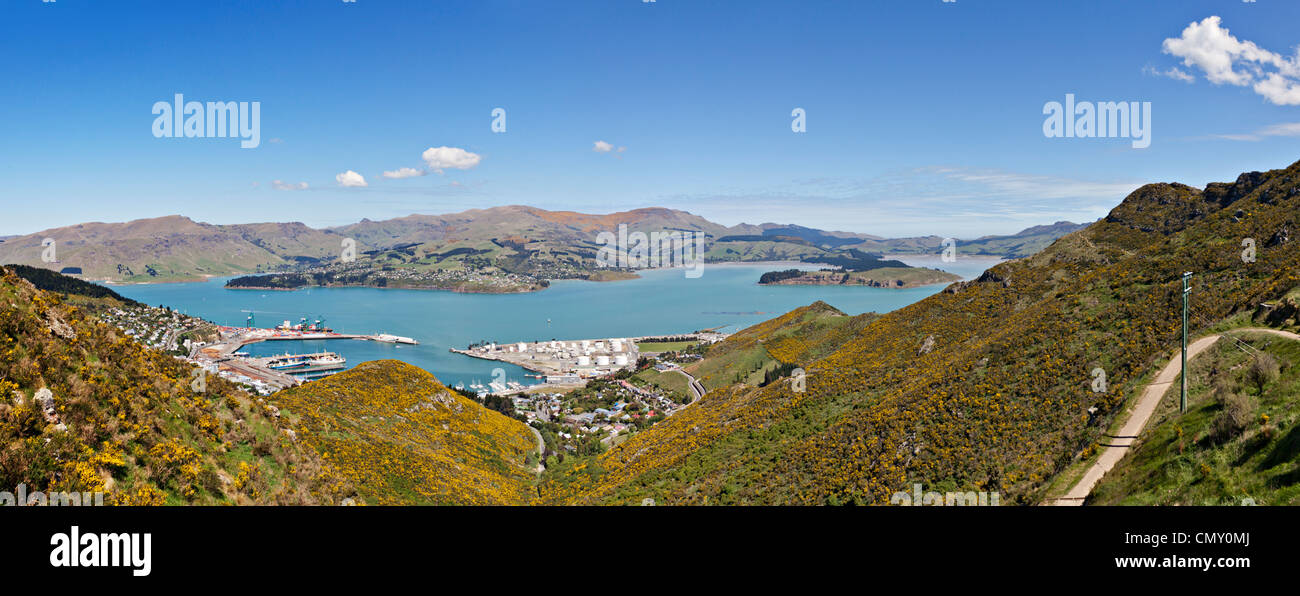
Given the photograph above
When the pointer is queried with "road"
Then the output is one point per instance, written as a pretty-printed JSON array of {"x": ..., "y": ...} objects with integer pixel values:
[
  {"x": 541, "y": 445},
  {"x": 696, "y": 388},
  {"x": 1142, "y": 411}
]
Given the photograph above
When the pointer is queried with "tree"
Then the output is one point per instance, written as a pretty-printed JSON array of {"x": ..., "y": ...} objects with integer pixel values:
[{"x": 1263, "y": 371}]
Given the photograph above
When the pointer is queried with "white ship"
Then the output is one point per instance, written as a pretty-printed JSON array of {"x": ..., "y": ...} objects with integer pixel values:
[{"x": 395, "y": 339}]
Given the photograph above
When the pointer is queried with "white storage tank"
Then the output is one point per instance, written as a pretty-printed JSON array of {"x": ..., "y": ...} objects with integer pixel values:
[
  {"x": 523, "y": 347},
  {"x": 618, "y": 345},
  {"x": 602, "y": 361},
  {"x": 584, "y": 360},
  {"x": 620, "y": 360}
]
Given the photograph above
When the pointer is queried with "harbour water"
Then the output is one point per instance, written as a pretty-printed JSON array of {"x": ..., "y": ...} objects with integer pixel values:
[{"x": 660, "y": 302}]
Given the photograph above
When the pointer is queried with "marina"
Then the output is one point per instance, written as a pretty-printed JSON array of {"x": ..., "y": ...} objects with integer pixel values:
[{"x": 226, "y": 357}]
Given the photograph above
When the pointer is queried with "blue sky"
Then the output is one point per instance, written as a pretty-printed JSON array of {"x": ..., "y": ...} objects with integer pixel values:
[{"x": 923, "y": 117}]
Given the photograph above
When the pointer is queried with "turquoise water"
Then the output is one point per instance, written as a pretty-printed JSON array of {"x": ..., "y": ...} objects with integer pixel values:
[{"x": 660, "y": 302}]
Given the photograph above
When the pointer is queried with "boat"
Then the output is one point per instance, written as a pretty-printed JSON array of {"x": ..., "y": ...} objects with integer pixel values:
[
  {"x": 307, "y": 363},
  {"x": 394, "y": 339}
]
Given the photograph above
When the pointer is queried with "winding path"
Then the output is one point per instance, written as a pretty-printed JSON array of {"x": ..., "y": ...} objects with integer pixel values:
[
  {"x": 696, "y": 387},
  {"x": 541, "y": 446},
  {"x": 1141, "y": 413}
]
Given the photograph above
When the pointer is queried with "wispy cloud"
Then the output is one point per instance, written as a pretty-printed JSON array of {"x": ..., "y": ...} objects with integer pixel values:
[
  {"x": 282, "y": 185},
  {"x": 1209, "y": 47},
  {"x": 1172, "y": 72},
  {"x": 932, "y": 200},
  {"x": 404, "y": 173},
  {"x": 603, "y": 147},
  {"x": 1286, "y": 129}
]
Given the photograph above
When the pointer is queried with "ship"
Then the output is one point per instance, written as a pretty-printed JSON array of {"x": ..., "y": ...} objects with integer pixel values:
[
  {"x": 303, "y": 326},
  {"x": 395, "y": 339},
  {"x": 306, "y": 364}
]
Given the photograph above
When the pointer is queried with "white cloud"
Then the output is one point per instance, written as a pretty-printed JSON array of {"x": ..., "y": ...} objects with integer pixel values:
[
  {"x": 282, "y": 185},
  {"x": 1286, "y": 129},
  {"x": 441, "y": 158},
  {"x": 1224, "y": 59},
  {"x": 351, "y": 179},
  {"x": 1279, "y": 90},
  {"x": 404, "y": 173}
]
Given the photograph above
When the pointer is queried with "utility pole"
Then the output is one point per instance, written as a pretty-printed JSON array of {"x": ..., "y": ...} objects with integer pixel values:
[{"x": 1187, "y": 289}]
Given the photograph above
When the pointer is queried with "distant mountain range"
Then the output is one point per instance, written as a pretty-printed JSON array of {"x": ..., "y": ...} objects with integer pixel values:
[{"x": 515, "y": 239}]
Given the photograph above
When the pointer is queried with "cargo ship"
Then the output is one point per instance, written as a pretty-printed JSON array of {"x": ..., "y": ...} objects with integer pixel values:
[{"x": 307, "y": 363}]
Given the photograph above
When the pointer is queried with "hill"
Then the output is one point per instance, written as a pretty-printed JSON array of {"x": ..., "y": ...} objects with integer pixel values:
[
  {"x": 1012, "y": 246},
  {"x": 883, "y": 277},
  {"x": 475, "y": 250},
  {"x": 987, "y": 385},
  {"x": 1024, "y": 243},
  {"x": 44, "y": 279},
  {"x": 86, "y": 408},
  {"x": 171, "y": 248},
  {"x": 401, "y": 437}
]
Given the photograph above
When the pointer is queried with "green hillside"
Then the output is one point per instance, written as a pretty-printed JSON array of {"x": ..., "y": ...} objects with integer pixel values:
[
  {"x": 129, "y": 421},
  {"x": 1238, "y": 441},
  {"x": 401, "y": 437}
]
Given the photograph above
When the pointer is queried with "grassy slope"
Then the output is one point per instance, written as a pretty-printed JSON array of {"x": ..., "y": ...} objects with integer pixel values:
[
  {"x": 999, "y": 399},
  {"x": 401, "y": 437},
  {"x": 670, "y": 382},
  {"x": 656, "y": 347},
  {"x": 1181, "y": 461},
  {"x": 132, "y": 426},
  {"x": 746, "y": 355}
]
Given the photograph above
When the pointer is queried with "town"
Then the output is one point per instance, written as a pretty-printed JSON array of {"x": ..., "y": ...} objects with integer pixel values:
[{"x": 596, "y": 392}]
